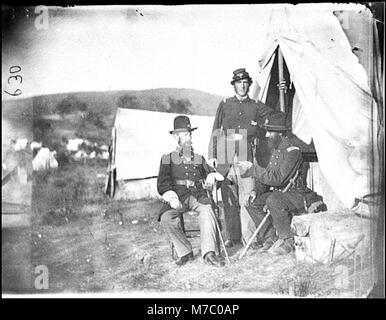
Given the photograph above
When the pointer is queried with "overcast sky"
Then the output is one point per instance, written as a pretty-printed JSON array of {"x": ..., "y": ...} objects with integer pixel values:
[{"x": 136, "y": 47}]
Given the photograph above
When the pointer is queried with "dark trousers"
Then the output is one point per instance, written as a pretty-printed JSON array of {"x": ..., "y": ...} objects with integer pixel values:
[
  {"x": 231, "y": 197},
  {"x": 231, "y": 210},
  {"x": 283, "y": 206},
  {"x": 257, "y": 214}
]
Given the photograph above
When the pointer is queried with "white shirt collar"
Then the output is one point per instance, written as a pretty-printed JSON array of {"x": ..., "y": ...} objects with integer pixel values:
[{"x": 241, "y": 98}]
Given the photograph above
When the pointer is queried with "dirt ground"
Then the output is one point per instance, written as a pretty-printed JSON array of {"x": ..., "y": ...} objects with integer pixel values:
[{"x": 92, "y": 244}]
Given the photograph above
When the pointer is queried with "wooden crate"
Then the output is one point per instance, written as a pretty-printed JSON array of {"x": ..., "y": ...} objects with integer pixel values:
[{"x": 325, "y": 236}]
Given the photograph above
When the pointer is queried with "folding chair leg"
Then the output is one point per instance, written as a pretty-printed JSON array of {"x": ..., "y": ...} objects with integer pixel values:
[
  {"x": 174, "y": 255},
  {"x": 218, "y": 244}
]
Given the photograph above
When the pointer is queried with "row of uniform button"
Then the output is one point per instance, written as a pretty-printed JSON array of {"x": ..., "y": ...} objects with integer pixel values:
[
  {"x": 188, "y": 174},
  {"x": 240, "y": 113},
  {"x": 186, "y": 167},
  {"x": 273, "y": 156}
]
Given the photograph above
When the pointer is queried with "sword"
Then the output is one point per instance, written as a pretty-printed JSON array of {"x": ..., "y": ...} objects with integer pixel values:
[{"x": 216, "y": 217}]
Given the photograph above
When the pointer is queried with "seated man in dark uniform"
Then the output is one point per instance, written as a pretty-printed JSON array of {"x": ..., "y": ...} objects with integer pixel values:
[
  {"x": 285, "y": 162},
  {"x": 182, "y": 177}
]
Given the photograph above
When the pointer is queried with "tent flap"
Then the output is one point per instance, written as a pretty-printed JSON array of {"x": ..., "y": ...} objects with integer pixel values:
[{"x": 333, "y": 92}]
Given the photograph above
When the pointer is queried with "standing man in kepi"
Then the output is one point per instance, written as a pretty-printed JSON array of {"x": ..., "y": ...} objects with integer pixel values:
[{"x": 233, "y": 139}]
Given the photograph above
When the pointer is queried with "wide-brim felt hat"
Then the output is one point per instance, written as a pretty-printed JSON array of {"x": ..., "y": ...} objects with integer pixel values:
[
  {"x": 181, "y": 124},
  {"x": 240, "y": 74},
  {"x": 276, "y": 122}
]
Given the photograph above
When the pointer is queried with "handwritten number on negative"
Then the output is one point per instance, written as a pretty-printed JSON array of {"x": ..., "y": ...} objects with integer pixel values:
[
  {"x": 15, "y": 77},
  {"x": 18, "y": 78},
  {"x": 13, "y": 68},
  {"x": 15, "y": 94}
]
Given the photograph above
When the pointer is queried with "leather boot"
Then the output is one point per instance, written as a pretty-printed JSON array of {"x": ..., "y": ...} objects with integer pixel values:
[
  {"x": 269, "y": 241},
  {"x": 211, "y": 259},
  {"x": 184, "y": 259},
  {"x": 230, "y": 243},
  {"x": 267, "y": 245},
  {"x": 282, "y": 247}
]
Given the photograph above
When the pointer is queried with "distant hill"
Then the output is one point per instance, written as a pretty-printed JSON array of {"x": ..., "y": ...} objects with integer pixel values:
[
  {"x": 91, "y": 114},
  {"x": 202, "y": 103}
]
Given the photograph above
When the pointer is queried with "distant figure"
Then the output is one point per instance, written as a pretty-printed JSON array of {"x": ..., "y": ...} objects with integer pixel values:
[{"x": 181, "y": 180}]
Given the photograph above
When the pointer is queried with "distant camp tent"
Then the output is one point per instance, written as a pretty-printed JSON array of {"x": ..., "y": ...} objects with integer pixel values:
[
  {"x": 335, "y": 96},
  {"x": 139, "y": 140},
  {"x": 74, "y": 144},
  {"x": 45, "y": 159}
]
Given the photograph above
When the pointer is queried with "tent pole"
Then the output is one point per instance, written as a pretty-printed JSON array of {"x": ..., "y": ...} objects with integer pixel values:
[
  {"x": 281, "y": 78},
  {"x": 113, "y": 146}
]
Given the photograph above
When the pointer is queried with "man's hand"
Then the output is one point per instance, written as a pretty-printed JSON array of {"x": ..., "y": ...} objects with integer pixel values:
[
  {"x": 314, "y": 206},
  {"x": 211, "y": 178},
  {"x": 175, "y": 204},
  {"x": 213, "y": 162},
  {"x": 249, "y": 198},
  {"x": 243, "y": 166},
  {"x": 282, "y": 86}
]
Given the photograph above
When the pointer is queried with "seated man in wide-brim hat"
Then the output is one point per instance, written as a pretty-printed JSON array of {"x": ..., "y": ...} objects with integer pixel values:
[
  {"x": 181, "y": 180},
  {"x": 286, "y": 193}
]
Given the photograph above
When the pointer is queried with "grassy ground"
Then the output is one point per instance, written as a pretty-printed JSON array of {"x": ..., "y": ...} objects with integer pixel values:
[{"x": 91, "y": 243}]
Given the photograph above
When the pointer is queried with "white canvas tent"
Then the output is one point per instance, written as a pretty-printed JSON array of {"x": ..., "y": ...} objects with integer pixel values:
[
  {"x": 45, "y": 159},
  {"x": 333, "y": 103},
  {"x": 141, "y": 138}
]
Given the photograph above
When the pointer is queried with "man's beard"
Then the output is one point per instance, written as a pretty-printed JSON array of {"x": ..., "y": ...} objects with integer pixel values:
[
  {"x": 273, "y": 143},
  {"x": 186, "y": 148}
]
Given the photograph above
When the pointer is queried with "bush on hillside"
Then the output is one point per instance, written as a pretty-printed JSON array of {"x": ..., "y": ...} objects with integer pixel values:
[
  {"x": 42, "y": 128},
  {"x": 181, "y": 106},
  {"x": 95, "y": 118},
  {"x": 128, "y": 102},
  {"x": 92, "y": 126},
  {"x": 40, "y": 105},
  {"x": 70, "y": 105}
]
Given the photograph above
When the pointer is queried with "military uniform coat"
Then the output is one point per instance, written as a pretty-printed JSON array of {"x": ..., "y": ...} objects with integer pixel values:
[
  {"x": 232, "y": 116},
  {"x": 284, "y": 162},
  {"x": 174, "y": 166}
]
